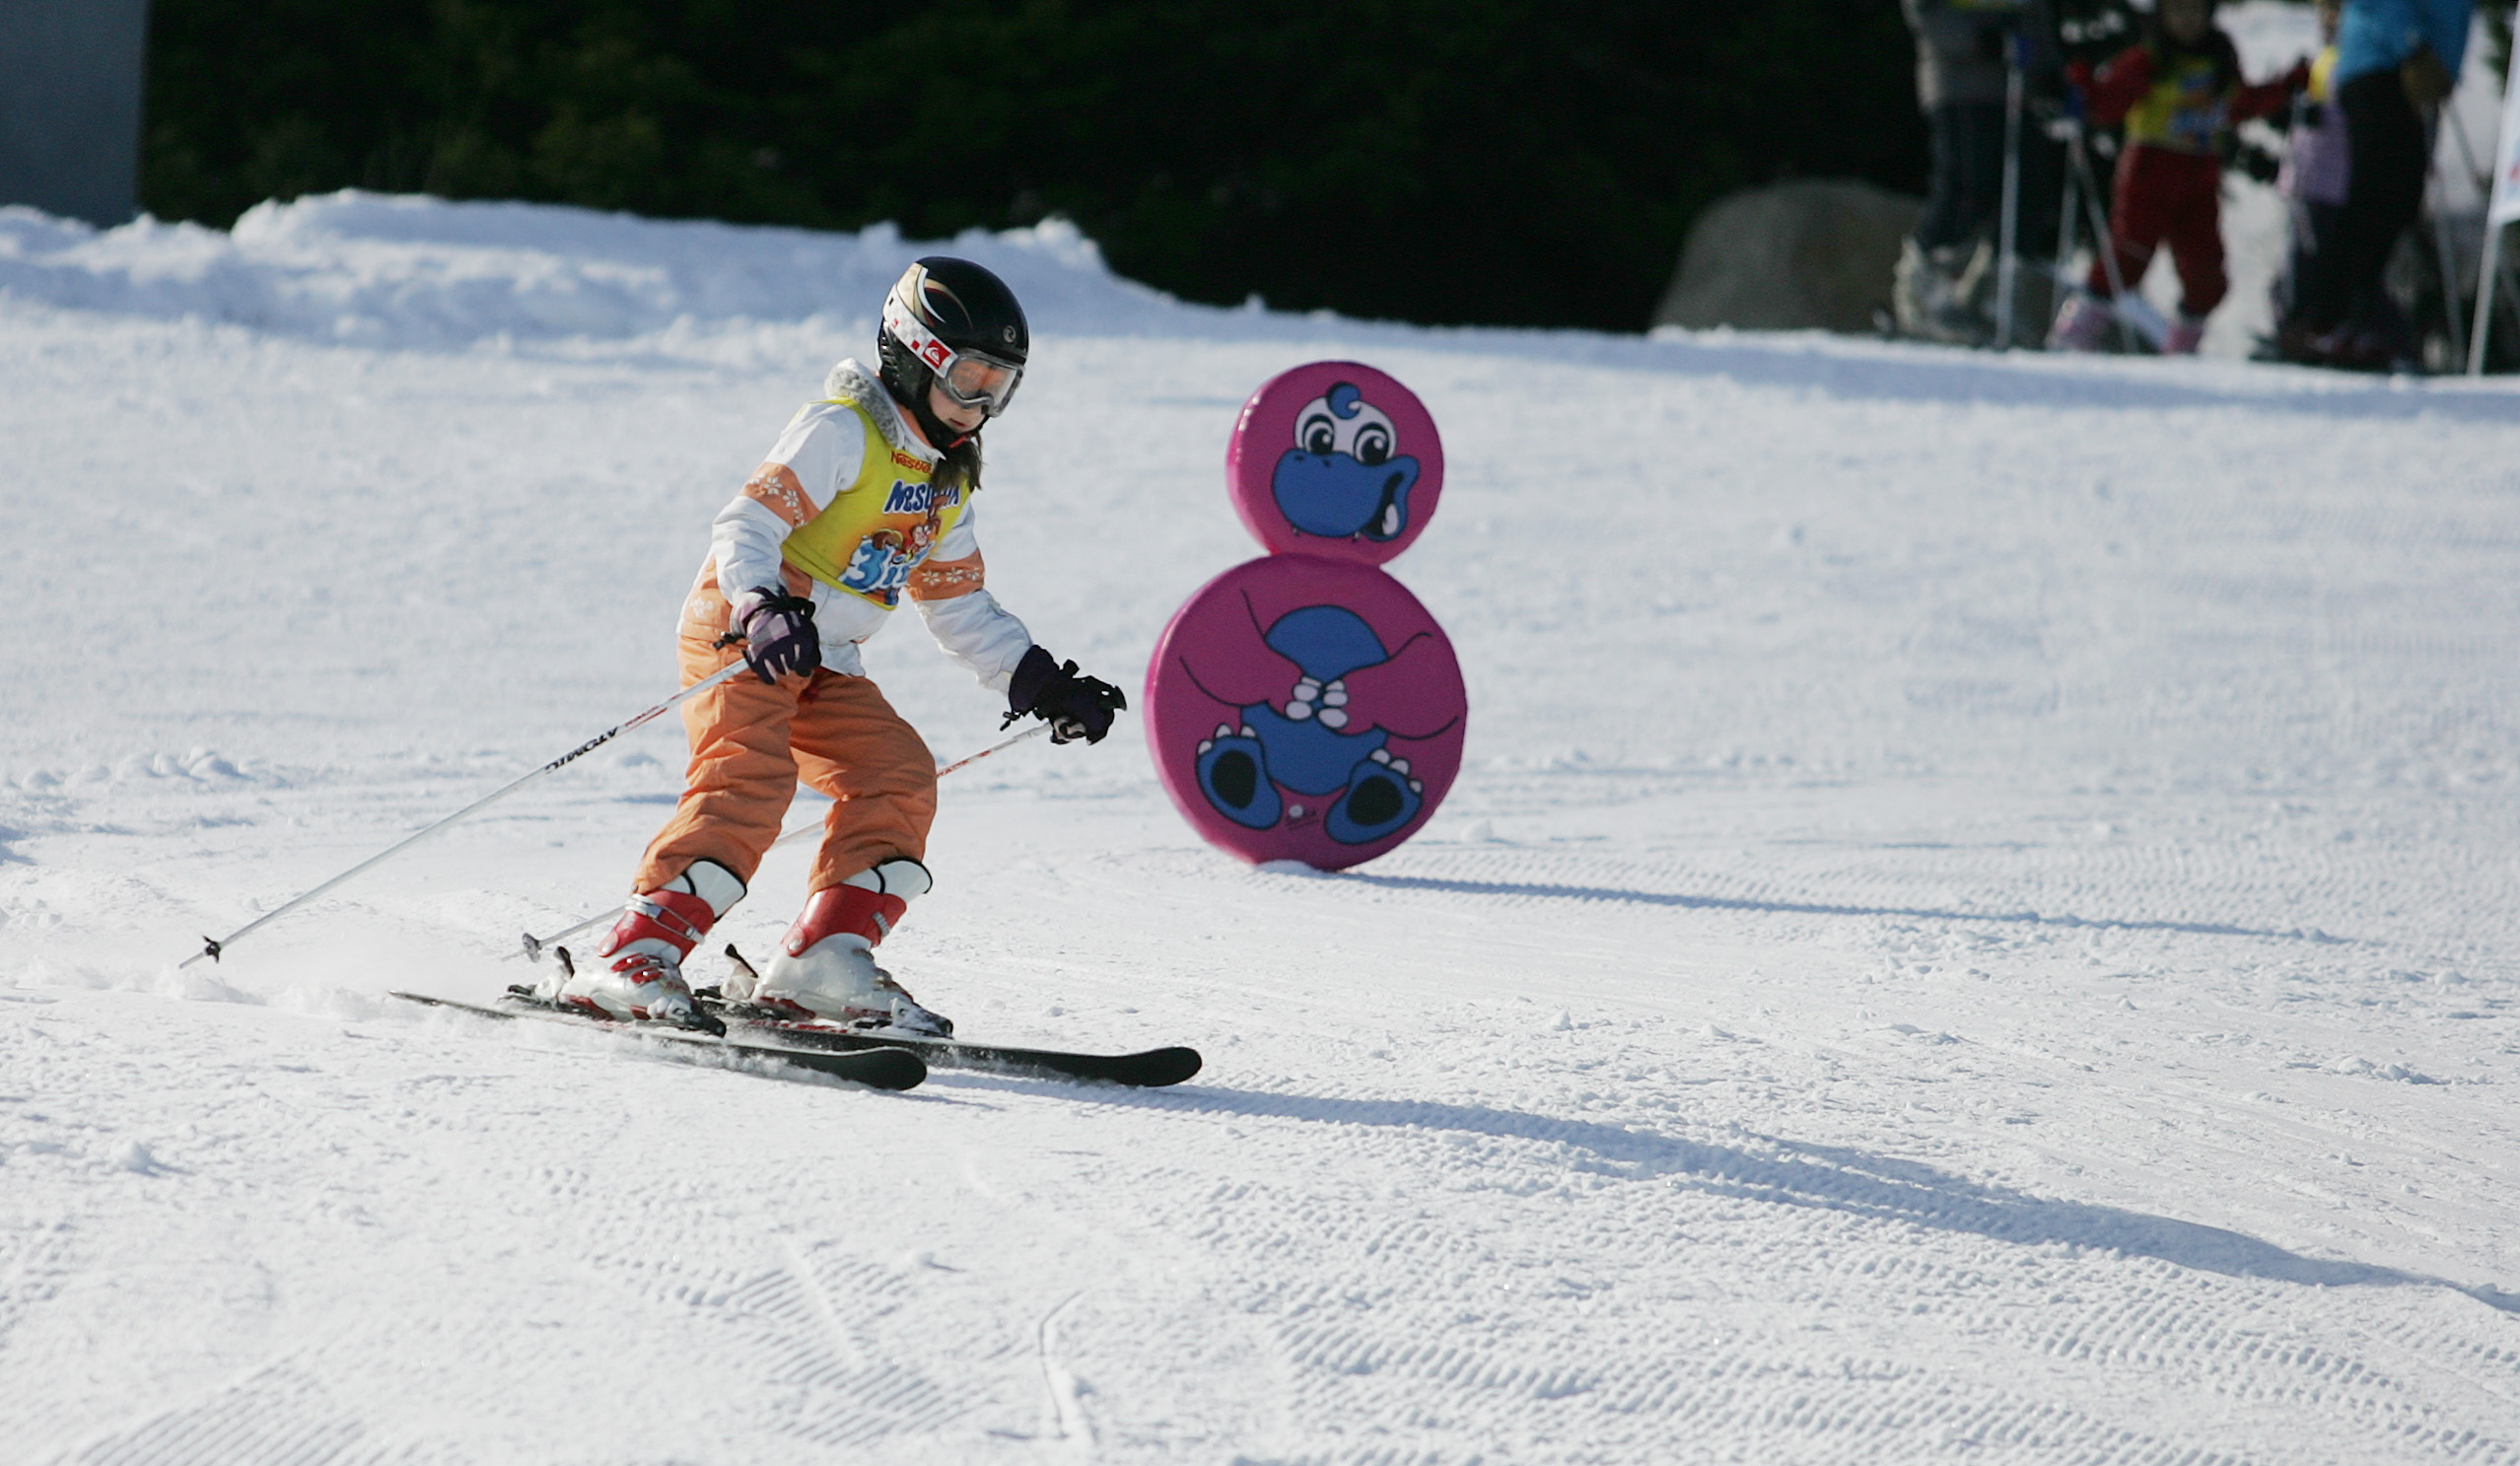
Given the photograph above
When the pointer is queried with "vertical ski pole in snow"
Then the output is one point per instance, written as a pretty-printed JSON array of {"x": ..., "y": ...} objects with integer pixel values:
[
  {"x": 534, "y": 946},
  {"x": 2106, "y": 242},
  {"x": 2498, "y": 212},
  {"x": 2009, "y": 228},
  {"x": 2491, "y": 269},
  {"x": 2453, "y": 319},
  {"x": 2063, "y": 131},
  {"x": 212, "y": 947}
]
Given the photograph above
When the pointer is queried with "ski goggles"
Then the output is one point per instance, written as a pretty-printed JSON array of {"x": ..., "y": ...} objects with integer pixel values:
[{"x": 971, "y": 379}]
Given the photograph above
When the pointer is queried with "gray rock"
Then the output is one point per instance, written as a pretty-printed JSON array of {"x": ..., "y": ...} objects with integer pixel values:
[{"x": 1815, "y": 255}]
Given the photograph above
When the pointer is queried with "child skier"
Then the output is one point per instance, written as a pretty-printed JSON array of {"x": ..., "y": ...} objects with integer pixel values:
[
  {"x": 866, "y": 498},
  {"x": 2177, "y": 90}
]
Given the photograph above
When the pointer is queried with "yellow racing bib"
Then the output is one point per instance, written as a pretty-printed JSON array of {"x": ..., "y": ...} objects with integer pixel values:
[
  {"x": 879, "y": 529},
  {"x": 2186, "y": 108}
]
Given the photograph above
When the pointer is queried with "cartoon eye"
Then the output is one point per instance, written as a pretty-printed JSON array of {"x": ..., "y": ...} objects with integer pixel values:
[
  {"x": 1342, "y": 422},
  {"x": 1367, "y": 435}
]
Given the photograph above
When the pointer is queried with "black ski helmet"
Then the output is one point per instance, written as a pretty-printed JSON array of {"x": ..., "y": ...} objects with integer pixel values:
[{"x": 943, "y": 308}]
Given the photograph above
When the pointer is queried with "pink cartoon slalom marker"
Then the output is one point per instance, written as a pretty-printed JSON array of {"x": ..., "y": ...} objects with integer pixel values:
[{"x": 1304, "y": 706}]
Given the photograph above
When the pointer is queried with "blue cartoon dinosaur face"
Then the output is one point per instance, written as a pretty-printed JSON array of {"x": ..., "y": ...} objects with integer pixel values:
[{"x": 1345, "y": 476}]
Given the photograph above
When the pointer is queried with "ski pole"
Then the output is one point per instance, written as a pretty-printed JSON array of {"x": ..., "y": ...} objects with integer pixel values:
[
  {"x": 2008, "y": 226},
  {"x": 214, "y": 946},
  {"x": 2063, "y": 132},
  {"x": 2453, "y": 319},
  {"x": 1034, "y": 732},
  {"x": 2106, "y": 245},
  {"x": 534, "y": 946},
  {"x": 2490, "y": 267}
]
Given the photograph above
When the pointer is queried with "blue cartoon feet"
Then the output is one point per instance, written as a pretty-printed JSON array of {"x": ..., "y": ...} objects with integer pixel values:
[
  {"x": 1380, "y": 797},
  {"x": 1233, "y": 773}
]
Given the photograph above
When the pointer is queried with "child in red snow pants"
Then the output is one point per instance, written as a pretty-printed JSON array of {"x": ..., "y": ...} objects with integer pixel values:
[{"x": 2174, "y": 198}]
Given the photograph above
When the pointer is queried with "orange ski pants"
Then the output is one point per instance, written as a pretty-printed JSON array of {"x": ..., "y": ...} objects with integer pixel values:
[{"x": 750, "y": 743}]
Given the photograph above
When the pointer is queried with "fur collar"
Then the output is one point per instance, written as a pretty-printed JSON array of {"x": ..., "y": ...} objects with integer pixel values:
[{"x": 854, "y": 385}]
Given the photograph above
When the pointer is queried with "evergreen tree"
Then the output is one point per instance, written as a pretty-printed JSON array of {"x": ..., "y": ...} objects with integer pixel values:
[{"x": 1473, "y": 161}]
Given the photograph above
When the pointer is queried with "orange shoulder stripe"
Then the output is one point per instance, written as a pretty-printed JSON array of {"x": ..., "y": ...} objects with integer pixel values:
[
  {"x": 775, "y": 485},
  {"x": 944, "y": 580}
]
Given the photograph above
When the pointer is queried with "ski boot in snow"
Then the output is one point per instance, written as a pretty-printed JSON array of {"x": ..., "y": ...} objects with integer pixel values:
[
  {"x": 826, "y": 968},
  {"x": 2082, "y": 325},
  {"x": 2187, "y": 333},
  {"x": 636, "y": 972},
  {"x": 1931, "y": 292}
]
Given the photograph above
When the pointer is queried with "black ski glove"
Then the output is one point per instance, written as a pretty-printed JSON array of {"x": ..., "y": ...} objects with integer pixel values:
[
  {"x": 779, "y": 636},
  {"x": 1075, "y": 705}
]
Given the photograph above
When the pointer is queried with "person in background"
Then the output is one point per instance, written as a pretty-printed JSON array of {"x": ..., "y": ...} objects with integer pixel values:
[
  {"x": 2397, "y": 61},
  {"x": 1946, "y": 266},
  {"x": 2313, "y": 185},
  {"x": 2177, "y": 90},
  {"x": 2313, "y": 180}
]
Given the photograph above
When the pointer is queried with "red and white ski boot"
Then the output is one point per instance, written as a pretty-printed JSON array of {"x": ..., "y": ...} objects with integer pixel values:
[
  {"x": 636, "y": 972},
  {"x": 826, "y": 968}
]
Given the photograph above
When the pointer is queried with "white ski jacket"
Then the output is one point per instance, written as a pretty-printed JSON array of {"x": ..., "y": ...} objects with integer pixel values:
[{"x": 842, "y": 510}]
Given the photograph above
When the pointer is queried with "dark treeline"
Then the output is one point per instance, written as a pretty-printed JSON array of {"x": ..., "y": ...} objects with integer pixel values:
[{"x": 1472, "y": 160}]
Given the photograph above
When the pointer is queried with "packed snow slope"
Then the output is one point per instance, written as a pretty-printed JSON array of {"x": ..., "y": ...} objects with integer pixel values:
[{"x": 1978, "y": 922}]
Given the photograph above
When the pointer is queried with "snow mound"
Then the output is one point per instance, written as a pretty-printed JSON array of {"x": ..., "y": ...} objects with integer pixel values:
[{"x": 409, "y": 271}]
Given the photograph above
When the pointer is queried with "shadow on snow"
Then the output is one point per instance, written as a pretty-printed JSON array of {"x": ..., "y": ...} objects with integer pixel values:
[
  {"x": 1843, "y": 1180},
  {"x": 1547, "y": 891}
]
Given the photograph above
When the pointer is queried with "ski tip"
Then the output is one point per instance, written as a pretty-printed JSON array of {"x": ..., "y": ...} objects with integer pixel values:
[
  {"x": 1156, "y": 1067},
  {"x": 877, "y": 1068},
  {"x": 884, "y": 1069}
]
